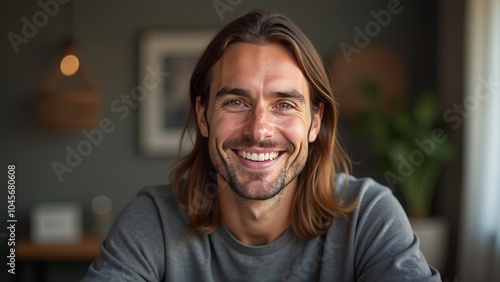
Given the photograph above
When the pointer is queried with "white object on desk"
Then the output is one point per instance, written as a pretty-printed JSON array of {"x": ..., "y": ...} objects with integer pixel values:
[{"x": 56, "y": 223}]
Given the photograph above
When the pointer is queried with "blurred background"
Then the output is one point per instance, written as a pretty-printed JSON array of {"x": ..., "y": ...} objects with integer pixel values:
[{"x": 398, "y": 68}]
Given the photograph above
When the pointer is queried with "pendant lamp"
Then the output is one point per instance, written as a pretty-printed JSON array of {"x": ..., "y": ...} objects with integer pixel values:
[{"x": 68, "y": 98}]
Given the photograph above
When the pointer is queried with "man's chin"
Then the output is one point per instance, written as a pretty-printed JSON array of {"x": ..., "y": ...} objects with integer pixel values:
[
  {"x": 255, "y": 197},
  {"x": 257, "y": 190}
]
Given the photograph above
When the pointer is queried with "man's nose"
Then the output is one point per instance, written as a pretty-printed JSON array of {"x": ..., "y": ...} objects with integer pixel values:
[{"x": 259, "y": 124}]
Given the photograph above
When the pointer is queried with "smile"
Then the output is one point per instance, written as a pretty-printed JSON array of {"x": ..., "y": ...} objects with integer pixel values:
[{"x": 258, "y": 157}]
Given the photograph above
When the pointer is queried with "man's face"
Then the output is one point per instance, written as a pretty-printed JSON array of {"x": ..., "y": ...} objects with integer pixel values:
[{"x": 259, "y": 119}]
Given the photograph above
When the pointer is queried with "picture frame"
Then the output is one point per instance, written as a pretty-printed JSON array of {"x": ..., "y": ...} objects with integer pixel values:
[{"x": 163, "y": 109}]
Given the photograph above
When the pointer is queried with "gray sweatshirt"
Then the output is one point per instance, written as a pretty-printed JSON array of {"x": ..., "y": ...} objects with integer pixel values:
[{"x": 149, "y": 241}]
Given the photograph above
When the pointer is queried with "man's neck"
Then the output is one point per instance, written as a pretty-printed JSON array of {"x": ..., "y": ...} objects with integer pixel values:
[{"x": 256, "y": 222}]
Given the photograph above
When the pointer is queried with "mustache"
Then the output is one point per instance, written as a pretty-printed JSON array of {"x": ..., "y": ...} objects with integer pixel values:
[{"x": 248, "y": 142}]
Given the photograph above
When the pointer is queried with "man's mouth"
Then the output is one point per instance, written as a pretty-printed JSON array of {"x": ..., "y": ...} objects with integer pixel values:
[{"x": 258, "y": 157}]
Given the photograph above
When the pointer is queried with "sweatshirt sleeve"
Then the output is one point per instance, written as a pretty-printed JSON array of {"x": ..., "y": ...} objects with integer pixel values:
[
  {"x": 133, "y": 249},
  {"x": 387, "y": 248}
]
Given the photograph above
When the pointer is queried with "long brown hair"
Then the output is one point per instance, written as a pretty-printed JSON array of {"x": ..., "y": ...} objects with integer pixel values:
[{"x": 193, "y": 177}]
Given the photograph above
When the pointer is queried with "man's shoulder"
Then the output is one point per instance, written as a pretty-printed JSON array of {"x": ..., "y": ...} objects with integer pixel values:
[
  {"x": 156, "y": 191},
  {"x": 350, "y": 188},
  {"x": 374, "y": 200},
  {"x": 162, "y": 199}
]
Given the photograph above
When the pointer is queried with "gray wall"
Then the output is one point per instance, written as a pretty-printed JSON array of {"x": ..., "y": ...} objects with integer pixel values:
[{"x": 106, "y": 32}]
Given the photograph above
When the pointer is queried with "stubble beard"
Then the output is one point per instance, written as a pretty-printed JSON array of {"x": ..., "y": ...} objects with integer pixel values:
[{"x": 257, "y": 188}]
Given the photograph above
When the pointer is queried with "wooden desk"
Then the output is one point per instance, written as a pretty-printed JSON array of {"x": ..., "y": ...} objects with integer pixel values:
[{"x": 86, "y": 250}]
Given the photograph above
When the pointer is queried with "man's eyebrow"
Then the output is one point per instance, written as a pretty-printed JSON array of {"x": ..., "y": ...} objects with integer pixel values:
[
  {"x": 232, "y": 90},
  {"x": 245, "y": 92},
  {"x": 295, "y": 94}
]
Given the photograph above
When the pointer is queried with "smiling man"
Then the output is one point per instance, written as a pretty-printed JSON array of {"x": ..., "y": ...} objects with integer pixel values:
[
  {"x": 259, "y": 122},
  {"x": 261, "y": 197}
]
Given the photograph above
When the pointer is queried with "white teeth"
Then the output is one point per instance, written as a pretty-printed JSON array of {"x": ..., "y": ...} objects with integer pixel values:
[{"x": 258, "y": 157}]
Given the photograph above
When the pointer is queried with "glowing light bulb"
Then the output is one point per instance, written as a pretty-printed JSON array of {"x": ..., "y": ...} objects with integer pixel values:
[{"x": 69, "y": 65}]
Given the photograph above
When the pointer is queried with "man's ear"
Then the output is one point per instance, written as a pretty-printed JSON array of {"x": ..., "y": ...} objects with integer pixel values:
[
  {"x": 316, "y": 123},
  {"x": 200, "y": 117}
]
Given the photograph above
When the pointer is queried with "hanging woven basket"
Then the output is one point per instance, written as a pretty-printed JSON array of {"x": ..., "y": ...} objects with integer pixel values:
[{"x": 69, "y": 99}]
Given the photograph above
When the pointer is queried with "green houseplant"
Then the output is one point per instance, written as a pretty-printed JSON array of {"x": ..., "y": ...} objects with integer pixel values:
[{"x": 412, "y": 143}]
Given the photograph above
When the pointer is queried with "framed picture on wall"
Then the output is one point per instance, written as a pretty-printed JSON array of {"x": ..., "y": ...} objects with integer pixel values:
[{"x": 166, "y": 61}]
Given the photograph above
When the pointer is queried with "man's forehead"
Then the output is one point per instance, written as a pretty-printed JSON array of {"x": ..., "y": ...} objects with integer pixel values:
[
  {"x": 246, "y": 68},
  {"x": 241, "y": 53}
]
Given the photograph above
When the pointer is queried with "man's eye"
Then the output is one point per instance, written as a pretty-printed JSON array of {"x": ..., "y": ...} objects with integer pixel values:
[
  {"x": 284, "y": 106},
  {"x": 234, "y": 103}
]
